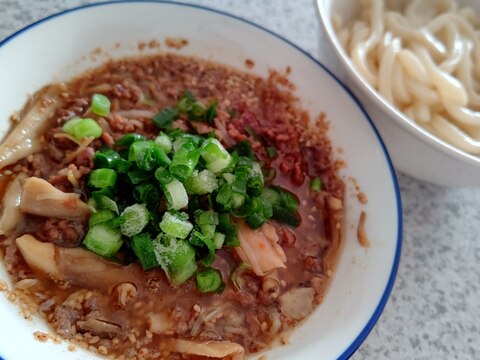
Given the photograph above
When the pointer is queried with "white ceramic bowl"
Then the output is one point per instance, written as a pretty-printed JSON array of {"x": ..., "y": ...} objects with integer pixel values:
[
  {"x": 58, "y": 48},
  {"x": 414, "y": 150}
]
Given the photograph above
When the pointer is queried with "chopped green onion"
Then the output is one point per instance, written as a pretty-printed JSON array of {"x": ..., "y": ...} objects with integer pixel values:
[
  {"x": 107, "y": 158},
  {"x": 201, "y": 183},
  {"x": 165, "y": 118},
  {"x": 176, "y": 225},
  {"x": 238, "y": 200},
  {"x": 229, "y": 228},
  {"x": 187, "y": 94},
  {"x": 176, "y": 195},
  {"x": 102, "y": 178},
  {"x": 255, "y": 180},
  {"x": 229, "y": 178},
  {"x": 123, "y": 166},
  {"x": 163, "y": 175},
  {"x": 284, "y": 205},
  {"x": 211, "y": 112},
  {"x": 100, "y": 216},
  {"x": 244, "y": 148},
  {"x": 129, "y": 139},
  {"x": 100, "y": 105},
  {"x": 184, "y": 105},
  {"x": 136, "y": 217},
  {"x": 269, "y": 174},
  {"x": 255, "y": 220},
  {"x": 250, "y": 206},
  {"x": 137, "y": 176},
  {"x": 146, "y": 194},
  {"x": 177, "y": 259},
  {"x": 164, "y": 142},
  {"x": 272, "y": 152},
  {"x": 267, "y": 208},
  {"x": 239, "y": 184},
  {"x": 316, "y": 184},
  {"x": 207, "y": 220},
  {"x": 103, "y": 240},
  {"x": 285, "y": 216},
  {"x": 271, "y": 195},
  {"x": 115, "y": 222},
  {"x": 82, "y": 128},
  {"x": 193, "y": 142},
  {"x": 200, "y": 240},
  {"x": 197, "y": 111},
  {"x": 218, "y": 240},
  {"x": 70, "y": 124},
  {"x": 216, "y": 157},
  {"x": 147, "y": 155},
  {"x": 103, "y": 202},
  {"x": 209, "y": 280},
  {"x": 224, "y": 197},
  {"x": 184, "y": 161},
  {"x": 287, "y": 199},
  {"x": 144, "y": 248}
]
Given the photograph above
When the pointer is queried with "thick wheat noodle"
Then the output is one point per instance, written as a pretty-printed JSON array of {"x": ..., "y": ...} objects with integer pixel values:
[
  {"x": 360, "y": 51},
  {"x": 423, "y": 61},
  {"x": 422, "y": 92},
  {"x": 445, "y": 129},
  {"x": 400, "y": 91},
  {"x": 456, "y": 49},
  {"x": 463, "y": 73}
]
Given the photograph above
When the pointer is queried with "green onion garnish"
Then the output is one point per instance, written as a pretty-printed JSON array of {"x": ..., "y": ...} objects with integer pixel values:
[
  {"x": 103, "y": 240},
  {"x": 177, "y": 259},
  {"x": 316, "y": 184},
  {"x": 82, "y": 128},
  {"x": 272, "y": 152},
  {"x": 100, "y": 105},
  {"x": 102, "y": 178},
  {"x": 176, "y": 225},
  {"x": 144, "y": 248},
  {"x": 209, "y": 280},
  {"x": 165, "y": 118},
  {"x": 139, "y": 186},
  {"x": 135, "y": 217}
]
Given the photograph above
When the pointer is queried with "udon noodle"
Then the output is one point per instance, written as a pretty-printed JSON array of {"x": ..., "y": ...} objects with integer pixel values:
[{"x": 424, "y": 58}]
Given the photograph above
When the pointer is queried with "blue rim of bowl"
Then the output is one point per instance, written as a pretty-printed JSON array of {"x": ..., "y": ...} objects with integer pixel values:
[{"x": 388, "y": 289}]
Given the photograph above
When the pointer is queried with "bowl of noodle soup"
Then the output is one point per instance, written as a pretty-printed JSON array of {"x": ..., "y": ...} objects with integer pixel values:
[
  {"x": 138, "y": 37},
  {"x": 413, "y": 64}
]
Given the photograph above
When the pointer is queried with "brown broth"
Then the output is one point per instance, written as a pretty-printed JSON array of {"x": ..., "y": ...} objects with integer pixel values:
[{"x": 244, "y": 315}]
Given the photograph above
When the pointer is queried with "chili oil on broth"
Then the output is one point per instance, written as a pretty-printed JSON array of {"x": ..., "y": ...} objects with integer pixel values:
[{"x": 110, "y": 317}]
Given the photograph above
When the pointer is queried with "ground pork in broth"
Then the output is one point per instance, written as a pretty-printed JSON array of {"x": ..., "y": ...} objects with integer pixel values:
[{"x": 121, "y": 310}]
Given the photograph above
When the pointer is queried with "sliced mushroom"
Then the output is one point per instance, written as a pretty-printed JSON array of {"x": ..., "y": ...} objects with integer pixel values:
[
  {"x": 212, "y": 349},
  {"x": 75, "y": 265},
  {"x": 260, "y": 248},
  {"x": 41, "y": 198},
  {"x": 99, "y": 327},
  {"x": 12, "y": 216},
  {"x": 297, "y": 303},
  {"x": 25, "y": 138},
  {"x": 39, "y": 256}
]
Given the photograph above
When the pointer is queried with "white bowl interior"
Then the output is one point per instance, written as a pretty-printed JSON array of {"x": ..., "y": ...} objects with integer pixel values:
[
  {"x": 346, "y": 9},
  {"x": 60, "y": 48}
]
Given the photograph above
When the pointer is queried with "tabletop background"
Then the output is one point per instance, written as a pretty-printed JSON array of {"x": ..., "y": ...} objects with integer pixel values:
[{"x": 434, "y": 309}]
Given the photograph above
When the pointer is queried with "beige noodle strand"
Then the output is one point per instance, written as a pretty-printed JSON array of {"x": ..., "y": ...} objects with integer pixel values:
[{"x": 423, "y": 57}]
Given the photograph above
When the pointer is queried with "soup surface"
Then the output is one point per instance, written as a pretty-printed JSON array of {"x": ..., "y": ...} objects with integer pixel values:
[{"x": 272, "y": 277}]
